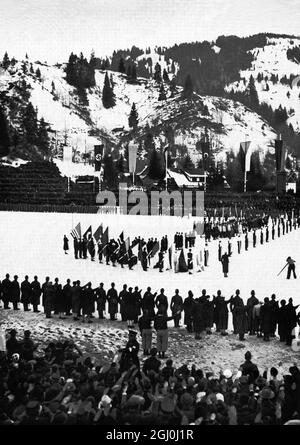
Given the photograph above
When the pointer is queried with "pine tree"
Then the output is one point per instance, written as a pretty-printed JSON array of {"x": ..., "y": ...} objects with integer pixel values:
[
  {"x": 38, "y": 73},
  {"x": 162, "y": 93},
  {"x": 188, "y": 88},
  {"x": 133, "y": 119},
  {"x": 31, "y": 69},
  {"x": 5, "y": 61},
  {"x": 121, "y": 66},
  {"x": 24, "y": 68},
  {"x": 156, "y": 170},
  {"x": 108, "y": 96},
  {"x": 30, "y": 124},
  {"x": 187, "y": 163},
  {"x": 4, "y": 136},
  {"x": 52, "y": 87},
  {"x": 43, "y": 140},
  {"x": 251, "y": 94}
]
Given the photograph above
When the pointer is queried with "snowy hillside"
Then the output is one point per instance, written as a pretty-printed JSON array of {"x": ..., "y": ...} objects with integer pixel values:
[
  {"x": 272, "y": 60},
  {"x": 83, "y": 125}
]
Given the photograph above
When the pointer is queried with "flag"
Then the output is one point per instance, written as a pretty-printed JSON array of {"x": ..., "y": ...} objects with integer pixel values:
[
  {"x": 88, "y": 233},
  {"x": 98, "y": 155},
  {"x": 121, "y": 237},
  {"x": 182, "y": 266},
  {"x": 105, "y": 239},
  {"x": 132, "y": 151},
  {"x": 246, "y": 155},
  {"x": 98, "y": 233},
  {"x": 76, "y": 233},
  {"x": 155, "y": 249},
  {"x": 278, "y": 154},
  {"x": 135, "y": 242},
  {"x": 127, "y": 243}
]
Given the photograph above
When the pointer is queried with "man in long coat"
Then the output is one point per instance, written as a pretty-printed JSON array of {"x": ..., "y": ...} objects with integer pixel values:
[
  {"x": 6, "y": 291},
  {"x": 240, "y": 312},
  {"x": 67, "y": 297},
  {"x": 26, "y": 293},
  {"x": 225, "y": 264},
  {"x": 188, "y": 307},
  {"x": 35, "y": 294},
  {"x": 101, "y": 300},
  {"x": 148, "y": 302},
  {"x": 15, "y": 293},
  {"x": 176, "y": 305},
  {"x": 233, "y": 303},
  {"x": 251, "y": 302},
  {"x": 122, "y": 303},
  {"x": 112, "y": 298}
]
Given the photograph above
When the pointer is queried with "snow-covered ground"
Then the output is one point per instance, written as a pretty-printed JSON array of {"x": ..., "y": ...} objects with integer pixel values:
[{"x": 31, "y": 243}]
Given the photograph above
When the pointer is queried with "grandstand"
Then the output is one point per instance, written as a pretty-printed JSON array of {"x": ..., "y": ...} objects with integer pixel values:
[{"x": 41, "y": 183}]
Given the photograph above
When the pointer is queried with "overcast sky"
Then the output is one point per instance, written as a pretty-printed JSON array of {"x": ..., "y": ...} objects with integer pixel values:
[{"x": 51, "y": 29}]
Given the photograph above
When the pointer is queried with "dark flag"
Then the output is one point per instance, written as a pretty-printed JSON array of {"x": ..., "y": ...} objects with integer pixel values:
[
  {"x": 88, "y": 233},
  {"x": 76, "y": 233},
  {"x": 121, "y": 237},
  {"x": 245, "y": 156},
  {"x": 98, "y": 154},
  {"x": 98, "y": 233},
  {"x": 182, "y": 266},
  {"x": 154, "y": 250},
  {"x": 105, "y": 238}
]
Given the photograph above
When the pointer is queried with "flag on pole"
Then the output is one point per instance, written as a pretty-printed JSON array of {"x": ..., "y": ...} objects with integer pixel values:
[
  {"x": 98, "y": 233},
  {"x": 105, "y": 239},
  {"x": 127, "y": 243},
  {"x": 76, "y": 233},
  {"x": 132, "y": 152},
  {"x": 246, "y": 155},
  {"x": 88, "y": 233},
  {"x": 98, "y": 155},
  {"x": 155, "y": 249},
  {"x": 121, "y": 236}
]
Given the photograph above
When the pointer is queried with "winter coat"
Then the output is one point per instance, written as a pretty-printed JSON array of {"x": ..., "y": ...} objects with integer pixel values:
[
  {"x": 112, "y": 298},
  {"x": 241, "y": 319},
  {"x": 66, "y": 243},
  {"x": 76, "y": 293},
  {"x": 188, "y": 306},
  {"x": 198, "y": 313},
  {"x": 176, "y": 304},
  {"x": 266, "y": 318},
  {"x": 35, "y": 293},
  {"x": 222, "y": 314},
  {"x": 208, "y": 313},
  {"x": 148, "y": 303},
  {"x": 101, "y": 298},
  {"x": 88, "y": 301},
  {"x": 26, "y": 292},
  {"x": 122, "y": 301},
  {"x": 15, "y": 292},
  {"x": 49, "y": 295}
]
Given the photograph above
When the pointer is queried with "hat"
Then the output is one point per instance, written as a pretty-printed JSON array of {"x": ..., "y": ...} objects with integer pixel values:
[
  {"x": 266, "y": 393},
  {"x": 227, "y": 373},
  {"x": 135, "y": 400},
  {"x": 220, "y": 397},
  {"x": 167, "y": 405},
  {"x": 105, "y": 401},
  {"x": 200, "y": 396},
  {"x": 191, "y": 381}
]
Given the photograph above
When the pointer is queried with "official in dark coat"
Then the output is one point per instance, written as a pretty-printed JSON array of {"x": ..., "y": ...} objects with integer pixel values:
[
  {"x": 88, "y": 302},
  {"x": 188, "y": 307},
  {"x": 76, "y": 293},
  {"x": 6, "y": 291},
  {"x": 222, "y": 325},
  {"x": 148, "y": 302},
  {"x": 291, "y": 320},
  {"x": 101, "y": 300},
  {"x": 122, "y": 302},
  {"x": 162, "y": 301},
  {"x": 15, "y": 293},
  {"x": 76, "y": 247},
  {"x": 67, "y": 297},
  {"x": 251, "y": 302},
  {"x": 145, "y": 325},
  {"x": 66, "y": 245},
  {"x": 274, "y": 314},
  {"x": 240, "y": 312},
  {"x": 129, "y": 355},
  {"x": 35, "y": 294},
  {"x": 225, "y": 264},
  {"x": 137, "y": 303},
  {"x": 176, "y": 306},
  {"x": 26, "y": 293},
  {"x": 282, "y": 322},
  {"x": 199, "y": 323},
  {"x": 49, "y": 296},
  {"x": 233, "y": 303},
  {"x": 112, "y": 298}
]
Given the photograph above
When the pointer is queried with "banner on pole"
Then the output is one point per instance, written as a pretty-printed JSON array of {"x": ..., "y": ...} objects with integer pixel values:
[
  {"x": 247, "y": 155},
  {"x": 98, "y": 154},
  {"x": 132, "y": 152}
]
